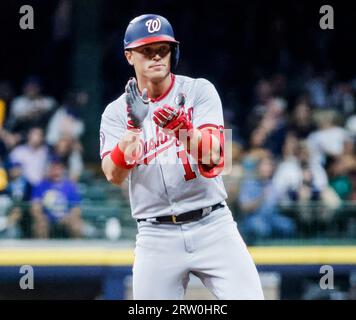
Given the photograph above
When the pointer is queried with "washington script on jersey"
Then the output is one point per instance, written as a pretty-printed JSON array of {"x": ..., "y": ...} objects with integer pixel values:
[{"x": 151, "y": 148}]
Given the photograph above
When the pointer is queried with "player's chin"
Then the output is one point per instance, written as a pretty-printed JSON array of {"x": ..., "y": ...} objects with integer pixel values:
[{"x": 157, "y": 73}]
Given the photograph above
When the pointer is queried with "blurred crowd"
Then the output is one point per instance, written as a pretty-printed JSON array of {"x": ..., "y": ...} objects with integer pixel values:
[
  {"x": 293, "y": 169},
  {"x": 40, "y": 162},
  {"x": 294, "y": 160}
]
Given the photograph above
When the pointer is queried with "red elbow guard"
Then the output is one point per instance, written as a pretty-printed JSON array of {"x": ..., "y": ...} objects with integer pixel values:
[{"x": 204, "y": 147}]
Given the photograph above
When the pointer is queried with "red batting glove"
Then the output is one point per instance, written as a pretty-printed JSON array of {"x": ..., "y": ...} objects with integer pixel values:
[{"x": 174, "y": 119}]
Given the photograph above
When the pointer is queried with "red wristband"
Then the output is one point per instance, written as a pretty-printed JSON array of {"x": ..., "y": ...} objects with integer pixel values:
[{"x": 118, "y": 157}]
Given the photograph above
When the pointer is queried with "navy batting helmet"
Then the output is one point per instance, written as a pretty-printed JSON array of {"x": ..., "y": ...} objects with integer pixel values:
[{"x": 150, "y": 28}]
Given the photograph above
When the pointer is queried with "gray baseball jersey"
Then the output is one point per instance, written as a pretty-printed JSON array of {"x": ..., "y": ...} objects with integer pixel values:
[{"x": 165, "y": 183}]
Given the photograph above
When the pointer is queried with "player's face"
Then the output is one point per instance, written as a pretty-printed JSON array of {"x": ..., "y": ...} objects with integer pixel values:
[{"x": 151, "y": 61}]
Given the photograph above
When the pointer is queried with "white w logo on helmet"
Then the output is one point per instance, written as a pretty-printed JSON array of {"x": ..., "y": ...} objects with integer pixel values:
[{"x": 153, "y": 25}]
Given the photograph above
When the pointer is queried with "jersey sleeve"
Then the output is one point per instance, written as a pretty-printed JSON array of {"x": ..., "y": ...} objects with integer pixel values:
[
  {"x": 207, "y": 108},
  {"x": 112, "y": 127}
]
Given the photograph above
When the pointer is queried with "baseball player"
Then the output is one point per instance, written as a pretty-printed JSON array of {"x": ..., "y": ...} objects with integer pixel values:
[{"x": 165, "y": 134}]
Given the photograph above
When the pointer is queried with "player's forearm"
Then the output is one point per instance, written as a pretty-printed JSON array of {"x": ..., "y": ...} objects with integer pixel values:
[
  {"x": 115, "y": 175},
  {"x": 210, "y": 155},
  {"x": 129, "y": 145}
]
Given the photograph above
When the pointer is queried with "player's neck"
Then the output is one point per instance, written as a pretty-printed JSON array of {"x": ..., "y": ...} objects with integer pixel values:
[{"x": 155, "y": 88}]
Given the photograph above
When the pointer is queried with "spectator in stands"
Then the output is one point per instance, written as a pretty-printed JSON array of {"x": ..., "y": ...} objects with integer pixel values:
[
  {"x": 3, "y": 178},
  {"x": 301, "y": 123},
  {"x": 297, "y": 178},
  {"x": 353, "y": 181},
  {"x": 348, "y": 159},
  {"x": 317, "y": 90},
  {"x": 9, "y": 227},
  {"x": 19, "y": 190},
  {"x": 279, "y": 85},
  {"x": 232, "y": 179},
  {"x": 350, "y": 125},
  {"x": 259, "y": 205},
  {"x": 271, "y": 128},
  {"x": 18, "y": 187},
  {"x": 30, "y": 109},
  {"x": 330, "y": 139},
  {"x": 290, "y": 146},
  {"x": 32, "y": 156},
  {"x": 298, "y": 182},
  {"x": 274, "y": 125},
  {"x": 256, "y": 150},
  {"x": 339, "y": 177},
  {"x": 342, "y": 98},
  {"x": 8, "y": 140},
  {"x": 263, "y": 92},
  {"x": 6, "y": 95},
  {"x": 69, "y": 152},
  {"x": 55, "y": 206},
  {"x": 66, "y": 121},
  {"x": 4, "y": 198}
]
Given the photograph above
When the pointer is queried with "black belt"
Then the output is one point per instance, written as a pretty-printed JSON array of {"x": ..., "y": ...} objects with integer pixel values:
[{"x": 189, "y": 216}]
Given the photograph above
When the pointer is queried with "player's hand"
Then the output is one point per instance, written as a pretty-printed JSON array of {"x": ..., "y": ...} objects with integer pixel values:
[
  {"x": 137, "y": 105},
  {"x": 173, "y": 118}
]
